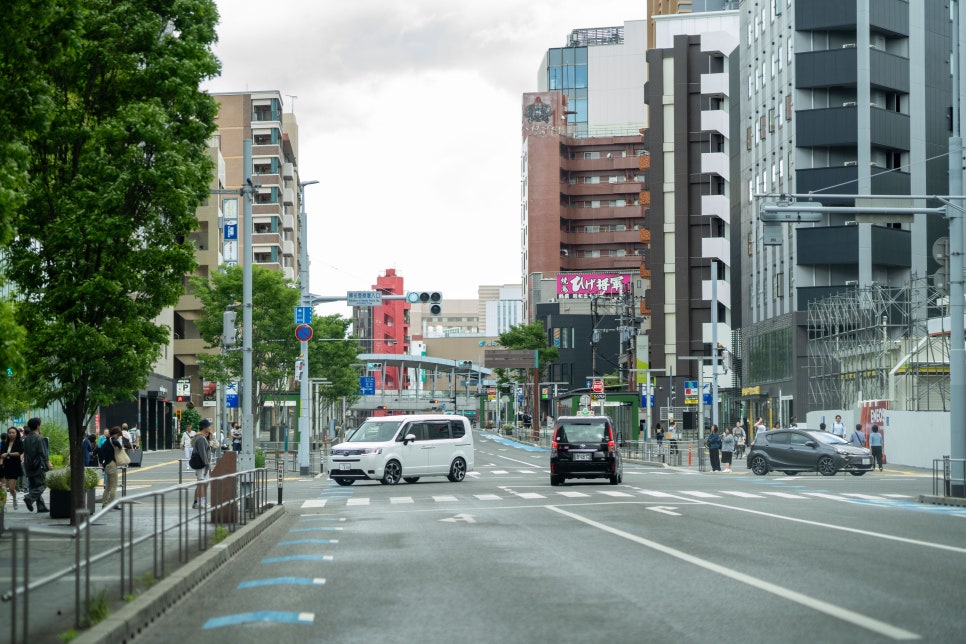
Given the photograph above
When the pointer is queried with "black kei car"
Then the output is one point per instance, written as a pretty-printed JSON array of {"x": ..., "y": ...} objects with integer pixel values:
[
  {"x": 585, "y": 447},
  {"x": 800, "y": 450}
]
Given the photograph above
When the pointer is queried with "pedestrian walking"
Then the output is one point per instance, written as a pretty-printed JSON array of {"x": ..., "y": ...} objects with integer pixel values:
[
  {"x": 672, "y": 435},
  {"x": 11, "y": 464},
  {"x": 36, "y": 464},
  {"x": 201, "y": 463},
  {"x": 875, "y": 444},
  {"x": 187, "y": 440},
  {"x": 857, "y": 438},
  {"x": 727, "y": 449},
  {"x": 88, "y": 452},
  {"x": 739, "y": 433},
  {"x": 838, "y": 427},
  {"x": 108, "y": 457},
  {"x": 714, "y": 448}
]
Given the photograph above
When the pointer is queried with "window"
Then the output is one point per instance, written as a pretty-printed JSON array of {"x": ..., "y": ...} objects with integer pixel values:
[
  {"x": 437, "y": 430},
  {"x": 788, "y": 107},
  {"x": 771, "y": 119},
  {"x": 748, "y": 139},
  {"x": 617, "y": 252}
]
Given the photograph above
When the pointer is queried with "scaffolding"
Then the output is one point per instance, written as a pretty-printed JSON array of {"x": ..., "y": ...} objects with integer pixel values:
[{"x": 880, "y": 343}]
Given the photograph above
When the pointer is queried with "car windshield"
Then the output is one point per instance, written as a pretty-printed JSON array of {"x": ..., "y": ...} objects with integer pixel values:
[
  {"x": 582, "y": 433},
  {"x": 826, "y": 437},
  {"x": 374, "y": 432}
]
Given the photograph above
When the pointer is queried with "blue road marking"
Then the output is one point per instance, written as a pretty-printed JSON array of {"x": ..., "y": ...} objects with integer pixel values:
[
  {"x": 297, "y": 558},
  {"x": 914, "y": 506},
  {"x": 277, "y": 616},
  {"x": 282, "y": 581},
  {"x": 299, "y": 541},
  {"x": 509, "y": 443},
  {"x": 317, "y": 528}
]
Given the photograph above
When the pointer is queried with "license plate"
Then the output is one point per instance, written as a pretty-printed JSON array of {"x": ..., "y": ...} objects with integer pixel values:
[
  {"x": 344, "y": 466},
  {"x": 581, "y": 456},
  {"x": 863, "y": 461}
]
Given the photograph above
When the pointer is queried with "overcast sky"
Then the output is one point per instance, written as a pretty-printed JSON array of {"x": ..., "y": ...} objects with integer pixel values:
[{"x": 409, "y": 116}]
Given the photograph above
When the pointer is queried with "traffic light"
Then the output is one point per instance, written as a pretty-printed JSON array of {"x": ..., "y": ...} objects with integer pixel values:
[
  {"x": 228, "y": 328},
  {"x": 433, "y": 298}
]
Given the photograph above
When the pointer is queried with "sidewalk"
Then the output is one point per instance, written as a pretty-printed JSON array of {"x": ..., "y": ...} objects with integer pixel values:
[{"x": 51, "y": 607}]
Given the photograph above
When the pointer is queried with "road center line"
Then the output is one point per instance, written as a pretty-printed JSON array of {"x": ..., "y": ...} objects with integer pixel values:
[{"x": 832, "y": 610}]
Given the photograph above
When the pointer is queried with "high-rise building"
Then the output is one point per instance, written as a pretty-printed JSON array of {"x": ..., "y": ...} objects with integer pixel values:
[
  {"x": 838, "y": 98},
  {"x": 276, "y": 237},
  {"x": 692, "y": 111}
]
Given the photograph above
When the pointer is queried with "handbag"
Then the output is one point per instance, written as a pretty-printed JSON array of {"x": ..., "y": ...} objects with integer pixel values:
[{"x": 121, "y": 457}]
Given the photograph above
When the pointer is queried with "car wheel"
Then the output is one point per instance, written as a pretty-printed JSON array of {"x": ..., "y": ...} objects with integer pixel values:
[
  {"x": 826, "y": 466},
  {"x": 457, "y": 471},
  {"x": 614, "y": 480},
  {"x": 556, "y": 479},
  {"x": 410, "y": 479},
  {"x": 857, "y": 472},
  {"x": 342, "y": 481},
  {"x": 790, "y": 472},
  {"x": 759, "y": 465},
  {"x": 392, "y": 473}
]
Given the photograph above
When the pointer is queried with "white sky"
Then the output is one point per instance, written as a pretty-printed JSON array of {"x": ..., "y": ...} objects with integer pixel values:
[{"x": 409, "y": 116}]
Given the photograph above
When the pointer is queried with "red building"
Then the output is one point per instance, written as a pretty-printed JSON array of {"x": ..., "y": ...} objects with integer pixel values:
[{"x": 385, "y": 329}]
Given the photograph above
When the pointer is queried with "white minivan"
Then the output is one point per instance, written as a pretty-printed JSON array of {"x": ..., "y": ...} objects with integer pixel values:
[{"x": 390, "y": 448}]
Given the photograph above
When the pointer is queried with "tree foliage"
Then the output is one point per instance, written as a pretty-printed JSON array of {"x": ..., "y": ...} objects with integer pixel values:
[
  {"x": 274, "y": 346},
  {"x": 531, "y": 336},
  {"x": 114, "y": 180}
]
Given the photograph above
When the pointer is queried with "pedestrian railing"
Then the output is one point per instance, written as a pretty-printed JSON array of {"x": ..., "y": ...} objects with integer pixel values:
[
  {"x": 949, "y": 477},
  {"x": 235, "y": 499}
]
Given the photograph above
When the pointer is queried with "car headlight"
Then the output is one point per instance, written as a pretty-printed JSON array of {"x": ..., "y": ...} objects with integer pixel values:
[
  {"x": 372, "y": 450},
  {"x": 843, "y": 452}
]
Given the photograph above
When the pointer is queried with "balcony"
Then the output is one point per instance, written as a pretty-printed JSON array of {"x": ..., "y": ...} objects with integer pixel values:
[
  {"x": 602, "y": 215},
  {"x": 838, "y": 68},
  {"x": 716, "y": 163},
  {"x": 288, "y": 222},
  {"x": 888, "y": 16},
  {"x": 839, "y": 127},
  {"x": 288, "y": 171},
  {"x": 288, "y": 196},
  {"x": 606, "y": 190},
  {"x": 582, "y": 238},
  {"x": 715, "y": 84},
  {"x": 266, "y": 239},
  {"x": 844, "y": 178},
  {"x": 716, "y": 206},
  {"x": 603, "y": 163},
  {"x": 288, "y": 248},
  {"x": 839, "y": 246},
  {"x": 716, "y": 121}
]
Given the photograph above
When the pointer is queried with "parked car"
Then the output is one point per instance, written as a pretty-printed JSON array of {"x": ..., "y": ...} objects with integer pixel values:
[
  {"x": 585, "y": 447},
  {"x": 800, "y": 450},
  {"x": 393, "y": 448}
]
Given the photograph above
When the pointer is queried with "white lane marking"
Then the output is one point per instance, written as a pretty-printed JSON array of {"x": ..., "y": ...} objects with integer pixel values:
[
  {"x": 530, "y": 495},
  {"x": 866, "y": 497},
  {"x": 499, "y": 472},
  {"x": 898, "y": 496},
  {"x": 488, "y": 497},
  {"x": 467, "y": 518},
  {"x": 357, "y": 501},
  {"x": 784, "y": 495},
  {"x": 743, "y": 495},
  {"x": 664, "y": 509},
  {"x": 821, "y": 495},
  {"x": 832, "y": 610},
  {"x": 662, "y": 495},
  {"x": 474, "y": 475},
  {"x": 700, "y": 495},
  {"x": 615, "y": 493},
  {"x": 314, "y": 503},
  {"x": 401, "y": 499},
  {"x": 573, "y": 495},
  {"x": 444, "y": 498},
  {"x": 525, "y": 471}
]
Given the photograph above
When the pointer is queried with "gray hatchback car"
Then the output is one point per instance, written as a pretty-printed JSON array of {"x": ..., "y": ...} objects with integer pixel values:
[{"x": 800, "y": 450}]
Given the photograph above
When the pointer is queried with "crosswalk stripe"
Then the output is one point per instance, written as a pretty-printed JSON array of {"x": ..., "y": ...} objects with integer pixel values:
[
  {"x": 573, "y": 495},
  {"x": 743, "y": 495},
  {"x": 898, "y": 496},
  {"x": 357, "y": 501},
  {"x": 525, "y": 471},
  {"x": 700, "y": 495},
  {"x": 401, "y": 499},
  {"x": 530, "y": 495},
  {"x": 499, "y": 472},
  {"x": 488, "y": 497},
  {"x": 314, "y": 503},
  {"x": 821, "y": 495},
  {"x": 614, "y": 493},
  {"x": 445, "y": 498},
  {"x": 864, "y": 497},
  {"x": 784, "y": 495},
  {"x": 660, "y": 495}
]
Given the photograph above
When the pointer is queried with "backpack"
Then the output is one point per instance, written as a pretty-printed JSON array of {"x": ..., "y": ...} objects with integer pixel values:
[{"x": 195, "y": 461}]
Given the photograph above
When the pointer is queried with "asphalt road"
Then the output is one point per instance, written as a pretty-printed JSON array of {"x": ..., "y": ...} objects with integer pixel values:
[{"x": 668, "y": 556}]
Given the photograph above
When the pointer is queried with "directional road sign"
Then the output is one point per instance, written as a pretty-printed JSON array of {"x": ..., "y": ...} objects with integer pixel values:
[
  {"x": 510, "y": 358},
  {"x": 303, "y": 315},
  {"x": 363, "y": 298},
  {"x": 368, "y": 385}
]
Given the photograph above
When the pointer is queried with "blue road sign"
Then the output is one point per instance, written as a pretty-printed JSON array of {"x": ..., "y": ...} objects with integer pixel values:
[
  {"x": 231, "y": 395},
  {"x": 303, "y": 333},
  {"x": 231, "y": 231},
  {"x": 706, "y": 393},
  {"x": 368, "y": 385},
  {"x": 303, "y": 315}
]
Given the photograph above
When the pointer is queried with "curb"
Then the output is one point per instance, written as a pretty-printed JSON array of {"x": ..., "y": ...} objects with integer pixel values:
[
  {"x": 131, "y": 620},
  {"x": 942, "y": 500}
]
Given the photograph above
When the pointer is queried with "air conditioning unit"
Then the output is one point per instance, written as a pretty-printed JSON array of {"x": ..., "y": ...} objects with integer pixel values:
[
  {"x": 848, "y": 45},
  {"x": 849, "y": 104},
  {"x": 851, "y": 223},
  {"x": 851, "y": 282},
  {"x": 850, "y": 163}
]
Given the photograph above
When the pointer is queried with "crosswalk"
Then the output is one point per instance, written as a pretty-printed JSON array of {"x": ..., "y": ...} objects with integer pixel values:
[{"x": 333, "y": 497}]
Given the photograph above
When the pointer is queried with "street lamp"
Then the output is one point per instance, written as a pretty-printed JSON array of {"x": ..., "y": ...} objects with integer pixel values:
[{"x": 304, "y": 456}]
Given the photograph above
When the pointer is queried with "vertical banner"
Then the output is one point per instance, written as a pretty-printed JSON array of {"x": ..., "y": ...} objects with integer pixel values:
[{"x": 873, "y": 412}]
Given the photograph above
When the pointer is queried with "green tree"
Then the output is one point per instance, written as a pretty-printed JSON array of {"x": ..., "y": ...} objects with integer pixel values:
[
  {"x": 32, "y": 34},
  {"x": 334, "y": 360},
  {"x": 274, "y": 347},
  {"x": 531, "y": 336},
  {"x": 114, "y": 182}
]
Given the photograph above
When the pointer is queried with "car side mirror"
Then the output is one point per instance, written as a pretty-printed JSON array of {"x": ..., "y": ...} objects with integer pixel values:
[
  {"x": 410, "y": 438},
  {"x": 811, "y": 443}
]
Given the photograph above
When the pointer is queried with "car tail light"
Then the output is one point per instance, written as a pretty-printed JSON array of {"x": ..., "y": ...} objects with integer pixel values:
[
  {"x": 611, "y": 448},
  {"x": 553, "y": 448}
]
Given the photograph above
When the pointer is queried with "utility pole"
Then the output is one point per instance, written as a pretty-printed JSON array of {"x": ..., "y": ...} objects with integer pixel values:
[
  {"x": 304, "y": 421},
  {"x": 247, "y": 455}
]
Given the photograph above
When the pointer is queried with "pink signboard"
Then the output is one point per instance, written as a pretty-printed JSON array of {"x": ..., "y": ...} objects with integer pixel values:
[{"x": 592, "y": 283}]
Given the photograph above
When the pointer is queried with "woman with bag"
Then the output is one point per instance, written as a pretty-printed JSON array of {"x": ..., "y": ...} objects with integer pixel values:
[
  {"x": 727, "y": 449},
  {"x": 11, "y": 450},
  {"x": 109, "y": 453},
  {"x": 714, "y": 448}
]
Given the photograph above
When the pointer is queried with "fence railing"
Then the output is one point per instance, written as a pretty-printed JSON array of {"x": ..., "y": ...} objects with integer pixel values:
[
  {"x": 235, "y": 499},
  {"x": 949, "y": 477}
]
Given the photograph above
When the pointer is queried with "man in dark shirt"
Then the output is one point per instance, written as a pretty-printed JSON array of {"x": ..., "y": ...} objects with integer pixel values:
[{"x": 36, "y": 463}]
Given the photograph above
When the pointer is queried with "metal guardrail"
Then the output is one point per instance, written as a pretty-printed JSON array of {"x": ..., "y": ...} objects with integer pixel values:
[
  {"x": 949, "y": 477},
  {"x": 249, "y": 496}
]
